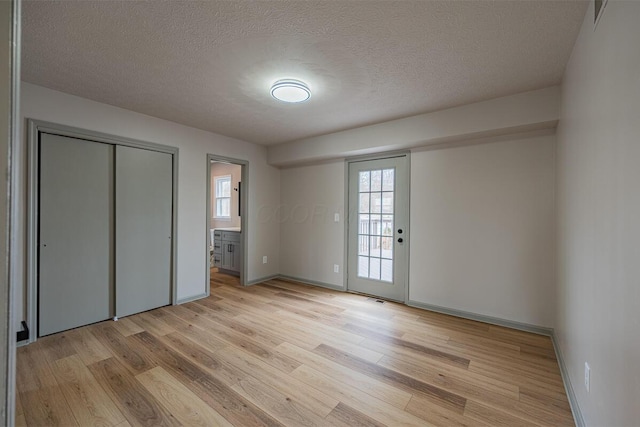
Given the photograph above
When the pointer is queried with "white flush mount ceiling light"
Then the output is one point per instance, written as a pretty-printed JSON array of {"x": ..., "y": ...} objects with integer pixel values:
[{"x": 289, "y": 90}]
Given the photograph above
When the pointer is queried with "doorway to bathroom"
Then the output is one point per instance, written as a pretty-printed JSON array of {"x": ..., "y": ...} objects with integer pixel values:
[{"x": 226, "y": 225}]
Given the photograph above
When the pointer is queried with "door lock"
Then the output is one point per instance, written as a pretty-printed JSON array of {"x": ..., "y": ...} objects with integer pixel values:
[
  {"x": 399, "y": 230},
  {"x": 400, "y": 240}
]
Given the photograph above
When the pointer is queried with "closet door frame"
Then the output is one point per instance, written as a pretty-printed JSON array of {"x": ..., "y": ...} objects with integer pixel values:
[{"x": 34, "y": 129}]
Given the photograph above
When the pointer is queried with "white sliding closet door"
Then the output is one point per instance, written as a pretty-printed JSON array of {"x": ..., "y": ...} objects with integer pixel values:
[
  {"x": 143, "y": 215},
  {"x": 76, "y": 233}
]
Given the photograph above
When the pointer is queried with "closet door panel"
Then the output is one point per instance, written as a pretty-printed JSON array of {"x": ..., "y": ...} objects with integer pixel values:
[
  {"x": 76, "y": 233},
  {"x": 143, "y": 197}
]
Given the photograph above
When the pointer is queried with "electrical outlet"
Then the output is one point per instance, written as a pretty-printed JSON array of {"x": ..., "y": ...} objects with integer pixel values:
[
  {"x": 336, "y": 217},
  {"x": 587, "y": 376},
  {"x": 264, "y": 259},
  {"x": 336, "y": 268}
]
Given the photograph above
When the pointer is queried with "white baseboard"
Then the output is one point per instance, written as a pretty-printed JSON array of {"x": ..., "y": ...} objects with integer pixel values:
[
  {"x": 540, "y": 330},
  {"x": 573, "y": 402},
  {"x": 192, "y": 298},
  {"x": 313, "y": 282},
  {"x": 262, "y": 279}
]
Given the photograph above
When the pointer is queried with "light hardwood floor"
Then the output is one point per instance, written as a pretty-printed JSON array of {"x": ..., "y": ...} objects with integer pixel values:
[{"x": 283, "y": 353}]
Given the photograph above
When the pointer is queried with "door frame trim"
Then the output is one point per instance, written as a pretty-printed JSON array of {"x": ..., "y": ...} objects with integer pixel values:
[
  {"x": 365, "y": 158},
  {"x": 244, "y": 212},
  {"x": 10, "y": 286},
  {"x": 34, "y": 129}
]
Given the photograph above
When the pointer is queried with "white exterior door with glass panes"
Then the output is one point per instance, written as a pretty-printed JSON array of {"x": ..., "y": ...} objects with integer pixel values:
[{"x": 378, "y": 227}]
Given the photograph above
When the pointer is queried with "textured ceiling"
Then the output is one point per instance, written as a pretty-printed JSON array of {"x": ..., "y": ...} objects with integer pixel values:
[{"x": 210, "y": 64}]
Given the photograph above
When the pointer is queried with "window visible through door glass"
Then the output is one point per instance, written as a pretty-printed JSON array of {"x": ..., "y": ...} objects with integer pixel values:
[{"x": 375, "y": 230}]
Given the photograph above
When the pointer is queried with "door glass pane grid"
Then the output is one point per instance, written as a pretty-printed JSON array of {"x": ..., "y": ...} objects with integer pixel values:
[{"x": 375, "y": 231}]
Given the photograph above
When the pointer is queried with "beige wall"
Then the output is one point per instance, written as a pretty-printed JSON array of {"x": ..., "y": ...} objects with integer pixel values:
[
  {"x": 482, "y": 224},
  {"x": 311, "y": 242},
  {"x": 482, "y": 229},
  {"x": 264, "y": 180},
  {"x": 507, "y": 115},
  {"x": 598, "y": 313},
  {"x": 235, "y": 171}
]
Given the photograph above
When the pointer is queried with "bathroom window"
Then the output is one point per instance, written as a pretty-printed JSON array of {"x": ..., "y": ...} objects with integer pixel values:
[{"x": 222, "y": 200}]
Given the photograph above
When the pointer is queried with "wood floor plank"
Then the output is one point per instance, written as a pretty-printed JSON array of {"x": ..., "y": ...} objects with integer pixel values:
[
  {"x": 427, "y": 351},
  {"x": 343, "y": 415},
  {"x": 292, "y": 334},
  {"x": 213, "y": 379},
  {"x": 139, "y": 407},
  {"x": 165, "y": 356},
  {"x": 304, "y": 333},
  {"x": 437, "y": 415},
  {"x": 339, "y": 373},
  {"x": 311, "y": 305},
  {"x": 88, "y": 347},
  {"x": 19, "y": 409},
  {"x": 126, "y": 326},
  {"x": 179, "y": 400},
  {"x": 373, "y": 407},
  {"x": 203, "y": 357},
  {"x": 291, "y": 308},
  {"x": 492, "y": 417},
  {"x": 261, "y": 309},
  {"x": 231, "y": 337},
  {"x": 239, "y": 410},
  {"x": 21, "y": 421},
  {"x": 47, "y": 407},
  {"x": 216, "y": 307},
  {"x": 514, "y": 374},
  {"x": 286, "y": 409},
  {"x": 560, "y": 406},
  {"x": 285, "y": 353},
  {"x": 89, "y": 403},
  {"x": 448, "y": 399},
  {"x": 319, "y": 403},
  {"x": 261, "y": 336},
  {"x": 521, "y": 337},
  {"x": 542, "y": 390},
  {"x": 347, "y": 342},
  {"x": 57, "y": 346},
  {"x": 135, "y": 361},
  {"x": 190, "y": 330},
  {"x": 511, "y": 404},
  {"x": 488, "y": 353},
  {"x": 452, "y": 378},
  {"x": 296, "y": 288},
  {"x": 33, "y": 371},
  {"x": 329, "y": 311},
  {"x": 150, "y": 324},
  {"x": 243, "y": 296}
]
